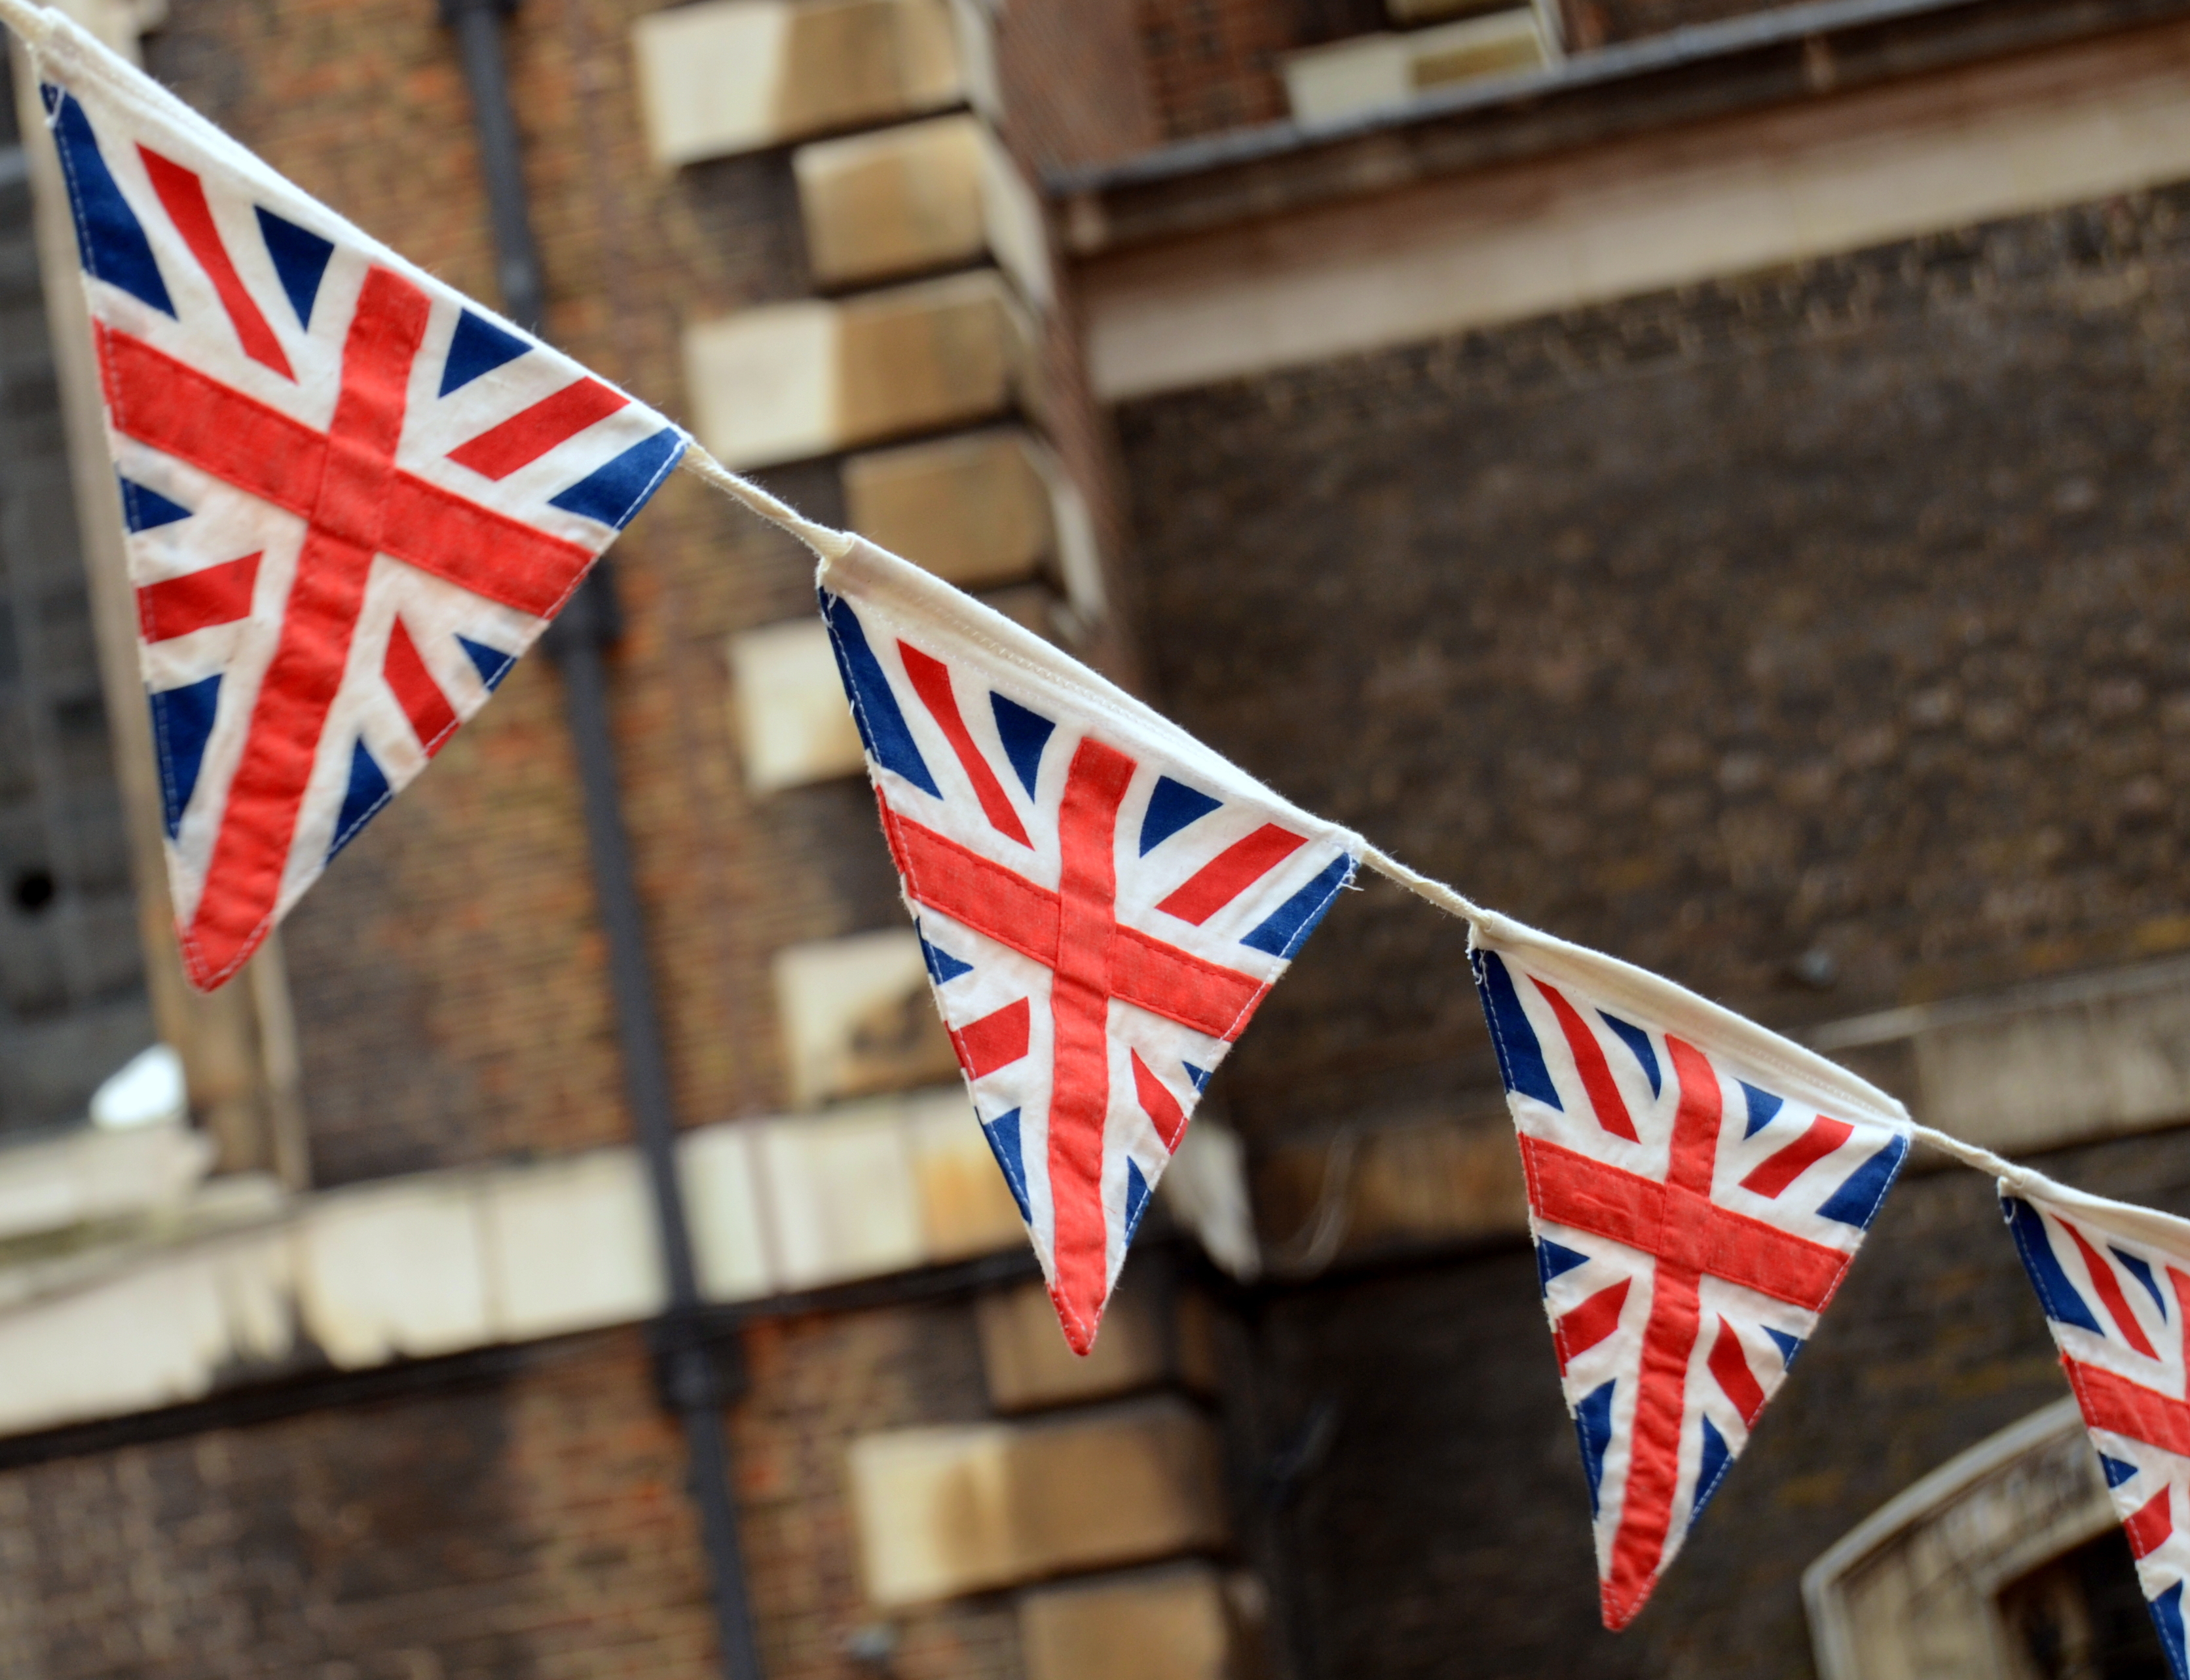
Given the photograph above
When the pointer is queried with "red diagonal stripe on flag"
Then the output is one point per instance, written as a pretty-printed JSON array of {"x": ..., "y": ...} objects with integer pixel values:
[
  {"x": 1729, "y": 1364},
  {"x": 930, "y": 681},
  {"x": 432, "y": 719},
  {"x": 995, "y": 1041},
  {"x": 2110, "y": 1293},
  {"x": 183, "y": 195},
  {"x": 527, "y": 436},
  {"x": 1784, "y": 1167},
  {"x": 1163, "y": 1110},
  {"x": 1604, "y": 1098},
  {"x": 2125, "y": 1408},
  {"x": 197, "y": 600},
  {"x": 1589, "y": 1323},
  {"x": 1230, "y": 873},
  {"x": 2149, "y": 1528}
]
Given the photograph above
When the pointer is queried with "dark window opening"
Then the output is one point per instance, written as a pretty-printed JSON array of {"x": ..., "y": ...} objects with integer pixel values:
[{"x": 2083, "y": 1616}]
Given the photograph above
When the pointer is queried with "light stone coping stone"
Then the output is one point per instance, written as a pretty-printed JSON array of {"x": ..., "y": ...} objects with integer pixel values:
[
  {"x": 788, "y": 382},
  {"x": 788, "y": 711},
  {"x": 1164, "y": 1624},
  {"x": 157, "y": 1335},
  {"x": 395, "y": 1269},
  {"x": 976, "y": 21},
  {"x": 724, "y": 1205},
  {"x": 87, "y": 1175},
  {"x": 880, "y": 205},
  {"x": 953, "y": 1509},
  {"x": 571, "y": 1246},
  {"x": 966, "y": 1208},
  {"x": 1375, "y": 72},
  {"x": 932, "y": 194},
  {"x": 734, "y": 76},
  {"x": 1912, "y": 1591},
  {"x": 1029, "y": 1365},
  {"x": 977, "y": 510},
  {"x": 841, "y": 1192},
  {"x": 857, "y": 1019},
  {"x": 2006, "y": 137}
]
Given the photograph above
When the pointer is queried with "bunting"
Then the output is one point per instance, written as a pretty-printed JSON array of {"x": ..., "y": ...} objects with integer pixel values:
[
  {"x": 1103, "y": 900},
  {"x": 1697, "y": 1187}
]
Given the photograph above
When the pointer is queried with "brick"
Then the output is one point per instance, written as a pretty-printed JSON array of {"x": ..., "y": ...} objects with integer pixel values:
[
  {"x": 933, "y": 194},
  {"x": 1029, "y": 1365},
  {"x": 963, "y": 1508},
  {"x": 841, "y": 1195},
  {"x": 793, "y": 725},
  {"x": 858, "y": 1017},
  {"x": 732, "y": 76},
  {"x": 1168, "y": 1624},
  {"x": 790, "y": 381},
  {"x": 975, "y": 510}
]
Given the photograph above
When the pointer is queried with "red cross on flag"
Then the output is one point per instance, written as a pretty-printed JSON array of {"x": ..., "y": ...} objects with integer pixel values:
[
  {"x": 1103, "y": 901},
  {"x": 2115, "y": 1284},
  {"x": 1697, "y": 1187},
  {"x": 354, "y": 498}
]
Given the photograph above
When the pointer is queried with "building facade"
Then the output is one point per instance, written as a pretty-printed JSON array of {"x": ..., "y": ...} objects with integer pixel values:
[{"x": 1708, "y": 480}]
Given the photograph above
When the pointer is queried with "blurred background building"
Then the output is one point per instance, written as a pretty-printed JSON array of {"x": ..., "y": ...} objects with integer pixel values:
[{"x": 1710, "y": 480}]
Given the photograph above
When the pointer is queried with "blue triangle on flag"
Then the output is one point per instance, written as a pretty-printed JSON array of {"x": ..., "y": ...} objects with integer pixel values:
[
  {"x": 1789, "y": 1346},
  {"x": 1639, "y": 1041},
  {"x": 1711, "y": 1469},
  {"x": 2115, "y": 1471},
  {"x": 942, "y": 967},
  {"x": 1593, "y": 1423},
  {"x": 2143, "y": 1273},
  {"x": 182, "y": 723},
  {"x": 478, "y": 346},
  {"x": 1520, "y": 1057},
  {"x": 1288, "y": 926},
  {"x": 300, "y": 260},
  {"x": 1025, "y": 735},
  {"x": 1552, "y": 1261},
  {"x": 368, "y": 791},
  {"x": 1170, "y": 807},
  {"x": 2167, "y": 1617},
  {"x": 108, "y": 237},
  {"x": 875, "y": 710},
  {"x": 144, "y": 510},
  {"x": 1199, "y": 1075},
  {"x": 1763, "y": 1106},
  {"x": 613, "y": 492},
  {"x": 491, "y": 663},
  {"x": 2059, "y": 1297},
  {"x": 1003, "y": 1135},
  {"x": 1857, "y": 1199},
  {"x": 1137, "y": 1198}
]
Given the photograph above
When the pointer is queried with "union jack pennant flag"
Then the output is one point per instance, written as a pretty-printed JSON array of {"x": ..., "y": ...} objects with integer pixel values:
[
  {"x": 1697, "y": 1187},
  {"x": 1103, "y": 901},
  {"x": 2115, "y": 1284},
  {"x": 353, "y": 497}
]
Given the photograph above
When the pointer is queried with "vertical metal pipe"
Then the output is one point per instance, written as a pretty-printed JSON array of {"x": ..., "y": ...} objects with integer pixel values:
[{"x": 684, "y": 1363}]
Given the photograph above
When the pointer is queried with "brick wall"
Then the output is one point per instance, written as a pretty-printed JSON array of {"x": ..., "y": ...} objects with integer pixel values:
[{"x": 1838, "y": 609}]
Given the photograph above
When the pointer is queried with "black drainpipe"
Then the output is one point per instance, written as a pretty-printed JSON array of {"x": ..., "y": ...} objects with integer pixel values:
[{"x": 685, "y": 1354}]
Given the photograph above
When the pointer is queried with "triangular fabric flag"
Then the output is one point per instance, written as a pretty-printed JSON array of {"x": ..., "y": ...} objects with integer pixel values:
[
  {"x": 1104, "y": 900},
  {"x": 1697, "y": 1187},
  {"x": 331, "y": 538},
  {"x": 2114, "y": 1282}
]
